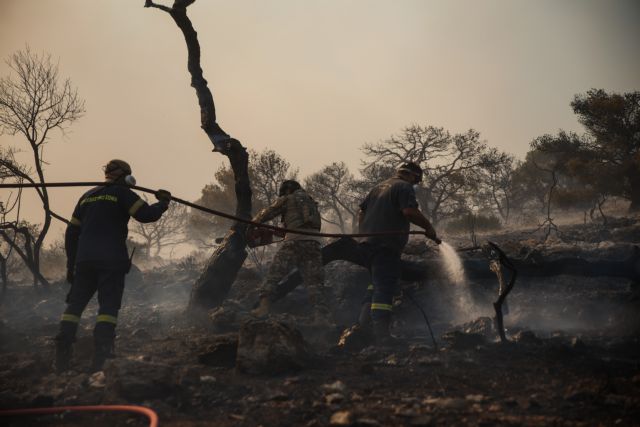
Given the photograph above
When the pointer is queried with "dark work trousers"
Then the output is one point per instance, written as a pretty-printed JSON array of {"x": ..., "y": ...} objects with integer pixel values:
[
  {"x": 385, "y": 269},
  {"x": 90, "y": 276}
]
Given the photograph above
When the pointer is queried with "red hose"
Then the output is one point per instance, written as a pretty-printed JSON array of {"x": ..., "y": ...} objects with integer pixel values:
[{"x": 149, "y": 413}]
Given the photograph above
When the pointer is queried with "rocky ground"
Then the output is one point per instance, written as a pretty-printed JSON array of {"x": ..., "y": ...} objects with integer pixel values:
[{"x": 573, "y": 357}]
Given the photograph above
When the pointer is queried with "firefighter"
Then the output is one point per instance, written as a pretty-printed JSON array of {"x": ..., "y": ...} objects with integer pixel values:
[
  {"x": 389, "y": 206},
  {"x": 97, "y": 258},
  {"x": 300, "y": 212}
]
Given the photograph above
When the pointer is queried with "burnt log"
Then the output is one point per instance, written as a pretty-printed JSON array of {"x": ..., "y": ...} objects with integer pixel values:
[
  {"x": 346, "y": 249},
  {"x": 220, "y": 272}
]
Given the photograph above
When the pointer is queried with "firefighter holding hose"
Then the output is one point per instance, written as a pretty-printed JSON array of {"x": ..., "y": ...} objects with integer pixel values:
[
  {"x": 299, "y": 212},
  {"x": 97, "y": 258},
  {"x": 389, "y": 206}
]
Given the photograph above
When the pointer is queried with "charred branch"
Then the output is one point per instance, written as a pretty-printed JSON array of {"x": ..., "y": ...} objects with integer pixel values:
[{"x": 220, "y": 272}]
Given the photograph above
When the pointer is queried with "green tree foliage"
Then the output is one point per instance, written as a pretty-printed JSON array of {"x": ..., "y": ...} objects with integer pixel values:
[
  {"x": 612, "y": 121},
  {"x": 267, "y": 170}
]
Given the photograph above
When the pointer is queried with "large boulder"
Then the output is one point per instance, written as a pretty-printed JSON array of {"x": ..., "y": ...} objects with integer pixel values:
[
  {"x": 271, "y": 347},
  {"x": 221, "y": 352}
]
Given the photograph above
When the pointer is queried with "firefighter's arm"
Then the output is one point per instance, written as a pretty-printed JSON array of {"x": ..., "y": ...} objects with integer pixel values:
[
  {"x": 141, "y": 210},
  {"x": 144, "y": 212},
  {"x": 276, "y": 209},
  {"x": 416, "y": 217}
]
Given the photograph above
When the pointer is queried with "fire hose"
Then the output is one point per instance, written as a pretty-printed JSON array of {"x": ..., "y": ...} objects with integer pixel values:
[
  {"x": 213, "y": 211},
  {"x": 149, "y": 413}
]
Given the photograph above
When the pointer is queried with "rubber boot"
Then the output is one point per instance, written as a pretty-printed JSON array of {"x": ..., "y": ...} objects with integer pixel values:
[
  {"x": 382, "y": 334},
  {"x": 364, "y": 318},
  {"x": 103, "y": 350},
  {"x": 64, "y": 352},
  {"x": 264, "y": 307},
  {"x": 64, "y": 345}
]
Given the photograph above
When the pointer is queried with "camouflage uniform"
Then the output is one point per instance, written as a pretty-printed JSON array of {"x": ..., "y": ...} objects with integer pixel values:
[{"x": 298, "y": 211}]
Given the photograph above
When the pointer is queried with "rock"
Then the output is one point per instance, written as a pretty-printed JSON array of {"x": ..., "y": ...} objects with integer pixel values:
[
  {"x": 278, "y": 395},
  {"x": 484, "y": 326},
  {"x": 270, "y": 347},
  {"x": 526, "y": 337},
  {"x": 221, "y": 353},
  {"x": 137, "y": 381},
  {"x": 227, "y": 317},
  {"x": 355, "y": 338},
  {"x": 447, "y": 403},
  {"x": 336, "y": 387},
  {"x": 476, "y": 398},
  {"x": 334, "y": 398},
  {"x": 462, "y": 341},
  {"x": 429, "y": 361},
  {"x": 341, "y": 418},
  {"x": 97, "y": 380}
]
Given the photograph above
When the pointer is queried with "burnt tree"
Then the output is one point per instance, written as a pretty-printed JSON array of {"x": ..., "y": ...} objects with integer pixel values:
[
  {"x": 33, "y": 104},
  {"x": 212, "y": 286}
]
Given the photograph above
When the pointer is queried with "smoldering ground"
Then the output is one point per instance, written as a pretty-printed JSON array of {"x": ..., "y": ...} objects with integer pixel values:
[{"x": 572, "y": 360}]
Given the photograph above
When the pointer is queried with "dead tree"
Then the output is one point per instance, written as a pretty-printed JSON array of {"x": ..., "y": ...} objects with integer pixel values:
[
  {"x": 332, "y": 188},
  {"x": 220, "y": 272},
  {"x": 167, "y": 231},
  {"x": 17, "y": 235},
  {"x": 32, "y": 104}
]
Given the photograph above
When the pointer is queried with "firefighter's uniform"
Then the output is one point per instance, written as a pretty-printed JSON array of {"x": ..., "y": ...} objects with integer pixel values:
[{"x": 97, "y": 260}]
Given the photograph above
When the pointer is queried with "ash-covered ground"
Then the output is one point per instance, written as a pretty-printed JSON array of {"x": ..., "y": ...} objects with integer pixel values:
[{"x": 573, "y": 357}]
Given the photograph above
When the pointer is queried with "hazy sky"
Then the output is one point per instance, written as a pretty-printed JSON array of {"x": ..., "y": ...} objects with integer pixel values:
[{"x": 314, "y": 80}]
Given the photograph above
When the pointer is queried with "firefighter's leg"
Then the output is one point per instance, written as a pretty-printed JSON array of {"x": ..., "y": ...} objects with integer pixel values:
[
  {"x": 79, "y": 295},
  {"x": 385, "y": 272},
  {"x": 364, "y": 317},
  {"x": 309, "y": 261},
  {"x": 282, "y": 263},
  {"x": 110, "y": 290},
  {"x": 365, "y": 252}
]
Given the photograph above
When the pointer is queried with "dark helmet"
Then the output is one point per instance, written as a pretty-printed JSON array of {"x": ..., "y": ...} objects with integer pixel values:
[
  {"x": 288, "y": 186},
  {"x": 117, "y": 165},
  {"x": 413, "y": 169}
]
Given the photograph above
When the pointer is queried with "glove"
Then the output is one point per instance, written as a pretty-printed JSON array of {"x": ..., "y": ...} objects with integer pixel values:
[
  {"x": 71, "y": 275},
  {"x": 163, "y": 196}
]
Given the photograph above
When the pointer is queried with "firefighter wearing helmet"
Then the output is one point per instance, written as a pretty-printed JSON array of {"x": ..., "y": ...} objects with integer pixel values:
[
  {"x": 97, "y": 258},
  {"x": 389, "y": 206}
]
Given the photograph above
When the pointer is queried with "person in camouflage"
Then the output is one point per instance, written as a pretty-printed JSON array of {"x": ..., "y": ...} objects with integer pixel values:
[{"x": 298, "y": 212}]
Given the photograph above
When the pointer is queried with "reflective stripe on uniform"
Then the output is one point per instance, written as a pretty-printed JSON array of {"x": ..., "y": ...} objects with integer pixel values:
[
  {"x": 134, "y": 208},
  {"x": 75, "y": 221},
  {"x": 106, "y": 318},
  {"x": 70, "y": 318},
  {"x": 379, "y": 306}
]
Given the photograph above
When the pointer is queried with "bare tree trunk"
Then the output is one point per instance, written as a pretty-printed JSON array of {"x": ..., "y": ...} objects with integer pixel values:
[
  {"x": 4, "y": 277},
  {"x": 211, "y": 288},
  {"x": 26, "y": 255},
  {"x": 44, "y": 195}
]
